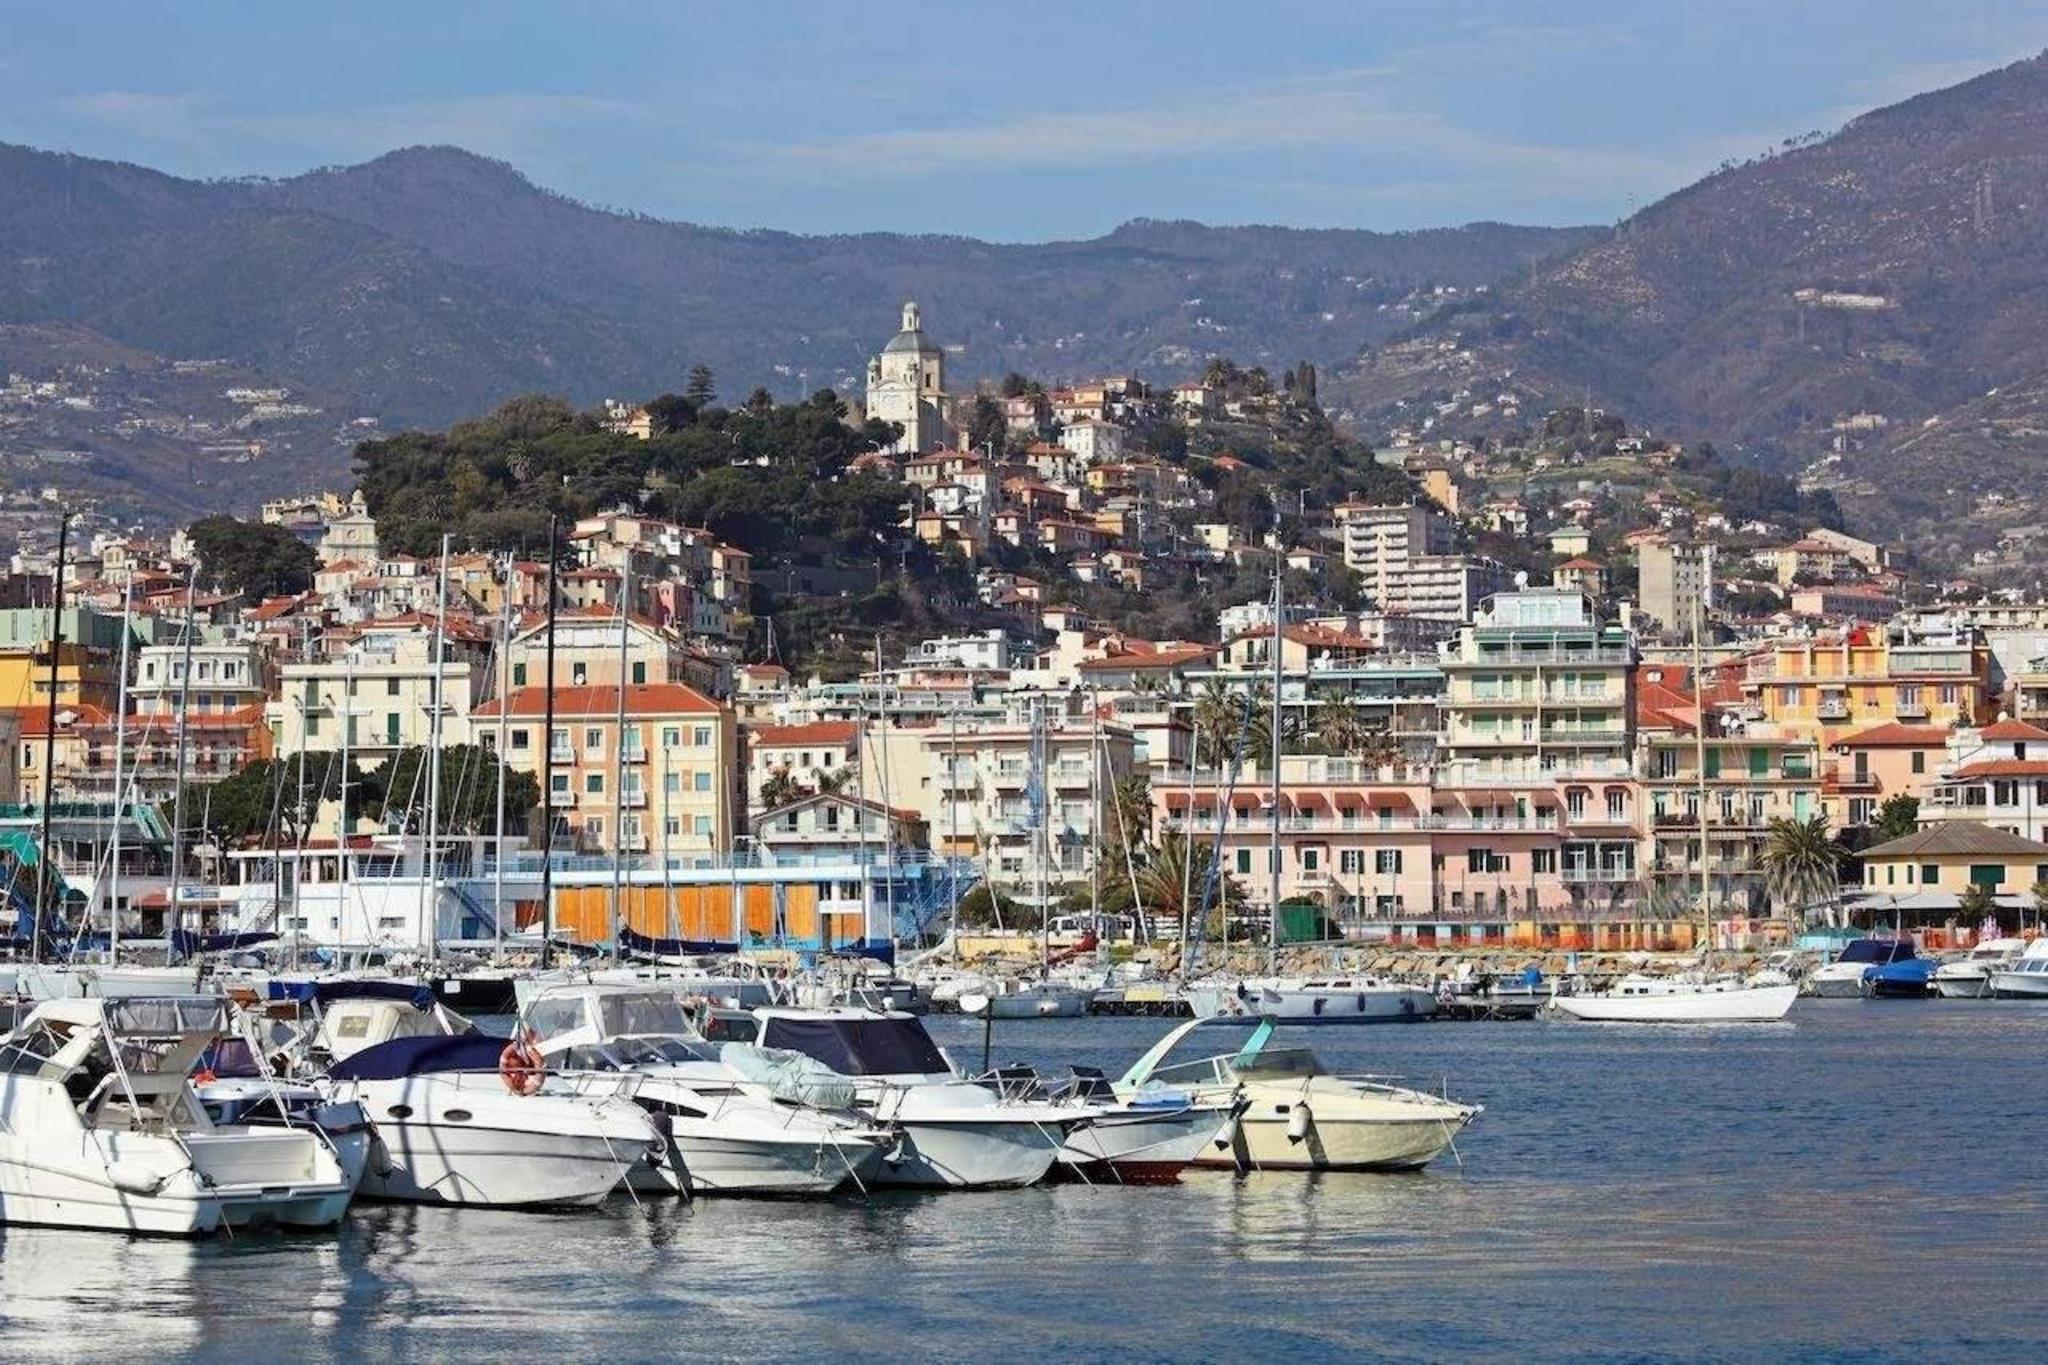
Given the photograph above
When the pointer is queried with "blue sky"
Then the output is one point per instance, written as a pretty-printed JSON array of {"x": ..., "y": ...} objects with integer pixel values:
[{"x": 1014, "y": 122}]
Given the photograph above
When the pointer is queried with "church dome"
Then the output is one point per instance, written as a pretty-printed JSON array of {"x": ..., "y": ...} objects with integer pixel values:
[{"x": 911, "y": 340}]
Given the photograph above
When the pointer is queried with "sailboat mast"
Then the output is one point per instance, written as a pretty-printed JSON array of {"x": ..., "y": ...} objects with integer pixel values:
[
  {"x": 45, "y": 883},
  {"x": 504, "y": 715},
  {"x": 120, "y": 790},
  {"x": 547, "y": 765},
  {"x": 430, "y": 917},
  {"x": 1279, "y": 637},
  {"x": 618, "y": 906},
  {"x": 184, "y": 710},
  {"x": 1699, "y": 732},
  {"x": 1044, "y": 823}
]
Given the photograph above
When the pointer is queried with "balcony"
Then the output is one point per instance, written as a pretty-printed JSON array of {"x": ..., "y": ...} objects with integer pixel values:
[
  {"x": 1012, "y": 775},
  {"x": 633, "y": 799},
  {"x": 1911, "y": 708},
  {"x": 1569, "y": 734},
  {"x": 562, "y": 801},
  {"x": 636, "y": 754},
  {"x": 561, "y": 758},
  {"x": 1598, "y": 876},
  {"x": 1071, "y": 775},
  {"x": 1832, "y": 708}
]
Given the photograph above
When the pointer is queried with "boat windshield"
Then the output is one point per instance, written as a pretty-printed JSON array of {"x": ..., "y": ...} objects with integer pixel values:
[
  {"x": 659, "y": 1013},
  {"x": 660, "y": 1051},
  {"x": 859, "y": 1047},
  {"x": 1279, "y": 1061}
]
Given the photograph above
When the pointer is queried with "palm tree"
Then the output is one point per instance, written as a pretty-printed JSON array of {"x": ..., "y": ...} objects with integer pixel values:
[
  {"x": 1176, "y": 863},
  {"x": 1128, "y": 813},
  {"x": 834, "y": 782},
  {"x": 1217, "y": 713},
  {"x": 781, "y": 789},
  {"x": 1339, "y": 726},
  {"x": 1802, "y": 863}
]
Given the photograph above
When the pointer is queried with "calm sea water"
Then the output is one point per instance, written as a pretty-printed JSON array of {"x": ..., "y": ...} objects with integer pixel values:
[{"x": 1864, "y": 1181}]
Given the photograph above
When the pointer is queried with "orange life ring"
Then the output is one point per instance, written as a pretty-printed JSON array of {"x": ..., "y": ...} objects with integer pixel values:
[{"x": 520, "y": 1067}]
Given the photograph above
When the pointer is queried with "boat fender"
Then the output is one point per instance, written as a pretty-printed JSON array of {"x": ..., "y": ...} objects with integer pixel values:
[
  {"x": 1407, "y": 1004},
  {"x": 1226, "y": 1136},
  {"x": 520, "y": 1066},
  {"x": 1299, "y": 1122},
  {"x": 380, "y": 1156},
  {"x": 131, "y": 1178},
  {"x": 1317, "y": 1005}
]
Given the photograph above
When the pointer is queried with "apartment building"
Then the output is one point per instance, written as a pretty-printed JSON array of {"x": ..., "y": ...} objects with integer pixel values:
[
  {"x": 662, "y": 785},
  {"x": 380, "y": 694},
  {"x": 1872, "y": 766},
  {"x": 1832, "y": 686},
  {"x": 2000, "y": 779},
  {"x": 1672, "y": 580}
]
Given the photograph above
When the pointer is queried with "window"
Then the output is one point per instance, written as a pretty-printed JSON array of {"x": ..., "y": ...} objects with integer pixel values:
[
  {"x": 672, "y": 782},
  {"x": 579, "y": 674},
  {"x": 1617, "y": 805},
  {"x": 1350, "y": 860},
  {"x": 672, "y": 826},
  {"x": 671, "y": 736},
  {"x": 701, "y": 736},
  {"x": 593, "y": 783},
  {"x": 1386, "y": 861},
  {"x": 1574, "y": 804},
  {"x": 1919, "y": 761},
  {"x": 391, "y": 731},
  {"x": 1987, "y": 874},
  {"x": 391, "y": 687},
  {"x": 559, "y": 783},
  {"x": 1543, "y": 860},
  {"x": 1244, "y": 862},
  {"x": 593, "y": 740},
  {"x": 519, "y": 675},
  {"x": 639, "y": 672},
  {"x": 593, "y": 826},
  {"x": 703, "y": 781},
  {"x": 702, "y": 825},
  {"x": 1930, "y": 873},
  {"x": 1311, "y": 859},
  {"x": 520, "y": 739},
  {"x": 2005, "y": 792}
]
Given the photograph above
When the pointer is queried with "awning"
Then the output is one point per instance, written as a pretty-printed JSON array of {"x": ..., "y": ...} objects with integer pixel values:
[
  {"x": 1246, "y": 800},
  {"x": 1382, "y": 800},
  {"x": 1310, "y": 801}
]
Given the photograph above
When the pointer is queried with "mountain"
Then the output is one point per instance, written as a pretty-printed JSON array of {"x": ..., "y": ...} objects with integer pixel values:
[
  {"x": 430, "y": 283},
  {"x": 1834, "y": 301}
]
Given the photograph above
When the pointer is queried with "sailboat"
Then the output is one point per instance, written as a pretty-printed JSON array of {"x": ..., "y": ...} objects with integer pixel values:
[
  {"x": 1042, "y": 998},
  {"x": 1339, "y": 998}
]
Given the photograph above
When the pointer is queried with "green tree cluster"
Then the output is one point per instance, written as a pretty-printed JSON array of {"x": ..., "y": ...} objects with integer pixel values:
[{"x": 253, "y": 558}]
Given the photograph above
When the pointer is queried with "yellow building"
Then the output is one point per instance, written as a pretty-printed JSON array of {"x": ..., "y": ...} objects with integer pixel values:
[
  {"x": 1946, "y": 859},
  {"x": 665, "y": 788},
  {"x": 1826, "y": 689}
]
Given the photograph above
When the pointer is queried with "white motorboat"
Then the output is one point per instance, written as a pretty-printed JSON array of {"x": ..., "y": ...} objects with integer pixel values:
[
  {"x": 1969, "y": 976},
  {"x": 2027, "y": 976},
  {"x": 1147, "y": 1137},
  {"x": 100, "y": 1128},
  {"x": 732, "y": 1125},
  {"x": 1036, "y": 1000},
  {"x": 1687, "y": 999},
  {"x": 1293, "y": 1115},
  {"x": 1310, "y": 1000},
  {"x": 451, "y": 1128},
  {"x": 1843, "y": 978},
  {"x": 955, "y": 1134}
]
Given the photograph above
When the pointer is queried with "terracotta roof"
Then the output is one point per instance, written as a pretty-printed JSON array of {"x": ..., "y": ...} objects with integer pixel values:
[
  {"x": 816, "y": 732},
  {"x": 1148, "y": 658},
  {"x": 1959, "y": 838},
  {"x": 2002, "y": 767},
  {"x": 2012, "y": 729},
  {"x": 1896, "y": 736},
  {"x": 1581, "y": 562},
  {"x": 646, "y": 699}
]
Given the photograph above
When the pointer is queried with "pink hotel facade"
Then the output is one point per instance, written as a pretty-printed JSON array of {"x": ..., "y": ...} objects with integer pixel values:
[{"x": 1528, "y": 814}]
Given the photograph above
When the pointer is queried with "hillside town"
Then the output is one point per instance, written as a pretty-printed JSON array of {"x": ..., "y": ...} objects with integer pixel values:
[{"x": 1687, "y": 726}]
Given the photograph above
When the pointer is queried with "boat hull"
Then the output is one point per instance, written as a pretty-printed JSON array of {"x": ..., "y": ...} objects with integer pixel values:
[
  {"x": 1753, "y": 1005},
  {"x": 49, "y": 1190},
  {"x": 1037, "y": 1004},
  {"x": 1266, "y": 1143},
  {"x": 445, "y": 1163},
  {"x": 1141, "y": 1148},
  {"x": 2020, "y": 985},
  {"x": 742, "y": 1166},
  {"x": 1375, "y": 1005},
  {"x": 1960, "y": 986},
  {"x": 978, "y": 1154},
  {"x": 1835, "y": 987}
]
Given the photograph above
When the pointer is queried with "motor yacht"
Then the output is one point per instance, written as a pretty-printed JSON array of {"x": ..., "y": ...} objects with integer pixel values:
[
  {"x": 955, "y": 1134},
  {"x": 1144, "y": 1138},
  {"x": 1310, "y": 1000},
  {"x": 1842, "y": 979},
  {"x": 100, "y": 1127},
  {"x": 454, "y": 1127},
  {"x": 2026, "y": 977},
  {"x": 733, "y": 1126},
  {"x": 1295, "y": 1115},
  {"x": 1684, "y": 999},
  {"x": 1969, "y": 977}
]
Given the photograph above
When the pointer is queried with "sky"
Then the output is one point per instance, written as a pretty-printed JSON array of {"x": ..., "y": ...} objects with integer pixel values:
[{"x": 1010, "y": 122}]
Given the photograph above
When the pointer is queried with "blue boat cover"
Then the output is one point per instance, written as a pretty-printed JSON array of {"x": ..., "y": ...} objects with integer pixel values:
[
  {"x": 1878, "y": 950},
  {"x": 417, "y": 994},
  {"x": 420, "y": 1057},
  {"x": 184, "y": 943},
  {"x": 633, "y": 942}
]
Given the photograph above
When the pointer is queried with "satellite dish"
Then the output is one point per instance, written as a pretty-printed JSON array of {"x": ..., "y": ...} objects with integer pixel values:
[
  {"x": 973, "y": 1002},
  {"x": 1521, "y": 578}
]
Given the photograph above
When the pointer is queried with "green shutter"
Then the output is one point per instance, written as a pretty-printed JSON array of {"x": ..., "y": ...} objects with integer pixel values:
[{"x": 1987, "y": 874}]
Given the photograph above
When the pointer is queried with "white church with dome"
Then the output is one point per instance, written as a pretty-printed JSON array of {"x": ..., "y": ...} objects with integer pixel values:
[{"x": 907, "y": 385}]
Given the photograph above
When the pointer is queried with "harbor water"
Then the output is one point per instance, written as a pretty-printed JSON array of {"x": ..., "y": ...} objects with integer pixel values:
[{"x": 1864, "y": 1181}]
